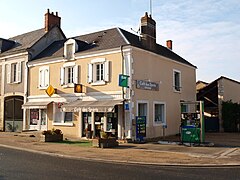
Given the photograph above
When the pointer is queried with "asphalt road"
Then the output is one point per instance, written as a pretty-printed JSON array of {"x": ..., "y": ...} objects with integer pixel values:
[{"x": 16, "y": 164}]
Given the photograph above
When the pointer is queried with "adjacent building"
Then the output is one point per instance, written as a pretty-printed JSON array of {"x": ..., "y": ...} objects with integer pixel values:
[
  {"x": 213, "y": 94},
  {"x": 15, "y": 53},
  {"x": 104, "y": 80}
]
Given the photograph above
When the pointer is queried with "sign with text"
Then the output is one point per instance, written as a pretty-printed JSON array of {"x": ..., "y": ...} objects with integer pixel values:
[
  {"x": 147, "y": 85},
  {"x": 123, "y": 80},
  {"x": 140, "y": 127}
]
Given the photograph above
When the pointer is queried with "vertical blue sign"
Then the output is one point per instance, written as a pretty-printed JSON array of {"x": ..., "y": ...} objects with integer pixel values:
[{"x": 140, "y": 127}]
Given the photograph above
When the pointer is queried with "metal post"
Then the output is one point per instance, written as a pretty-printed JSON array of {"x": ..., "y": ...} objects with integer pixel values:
[{"x": 202, "y": 122}]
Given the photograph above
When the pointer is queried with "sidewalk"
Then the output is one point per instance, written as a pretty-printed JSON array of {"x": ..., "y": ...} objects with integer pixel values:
[{"x": 148, "y": 153}]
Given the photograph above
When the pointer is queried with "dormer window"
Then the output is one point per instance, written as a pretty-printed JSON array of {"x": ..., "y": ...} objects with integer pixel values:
[{"x": 70, "y": 47}]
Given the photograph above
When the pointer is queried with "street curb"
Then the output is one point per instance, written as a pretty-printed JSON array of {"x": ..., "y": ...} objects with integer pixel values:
[{"x": 120, "y": 161}]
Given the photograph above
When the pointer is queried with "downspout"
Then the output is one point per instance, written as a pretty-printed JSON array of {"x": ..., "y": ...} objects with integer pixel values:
[{"x": 123, "y": 96}]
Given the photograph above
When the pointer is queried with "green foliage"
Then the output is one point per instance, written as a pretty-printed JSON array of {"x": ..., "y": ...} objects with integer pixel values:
[
  {"x": 231, "y": 116},
  {"x": 52, "y": 132}
]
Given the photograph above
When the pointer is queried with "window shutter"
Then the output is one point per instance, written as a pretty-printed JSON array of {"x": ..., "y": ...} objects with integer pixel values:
[
  {"x": 75, "y": 74},
  {"x": 46, "y": 76},
  {"x": 62, "y": 76},
  {"x": 106, "y": 71},
  {"x": 40, "y": 78},
  {"x": 8, "y": 67},
  {"x": 90, "y": 73},
  {"x": 19, "y": 72}
]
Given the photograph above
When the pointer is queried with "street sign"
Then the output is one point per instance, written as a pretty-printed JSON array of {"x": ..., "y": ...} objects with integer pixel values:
[
  {"x": 50, "y": 90},
  {"x": 123, "y": 80}
]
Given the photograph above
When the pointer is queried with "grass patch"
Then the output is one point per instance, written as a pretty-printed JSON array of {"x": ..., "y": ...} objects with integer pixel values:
[{"x": 77, "y": 143}]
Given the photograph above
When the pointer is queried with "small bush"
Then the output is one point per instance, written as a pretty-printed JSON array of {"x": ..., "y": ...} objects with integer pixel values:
[{"x": 52, "y": 132}]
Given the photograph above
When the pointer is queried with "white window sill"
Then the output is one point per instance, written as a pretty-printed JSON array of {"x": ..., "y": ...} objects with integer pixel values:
[
  {"x": 14, "y": 83},
  {"x": 98, "y": 83},
  {"x": 175, "y": 91},
  {"x": 68, "y": 85},
  {"x": 63, "y": 124},
  {"x": 70, "y": 59},
  {"x": 44, "y": 88},
  {"x": 160, "y": 123}
]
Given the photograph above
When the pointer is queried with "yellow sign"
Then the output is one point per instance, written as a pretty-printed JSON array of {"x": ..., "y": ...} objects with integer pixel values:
[
  {"x": 78, "y": 88},
  {"x": 50, "y": 90}
]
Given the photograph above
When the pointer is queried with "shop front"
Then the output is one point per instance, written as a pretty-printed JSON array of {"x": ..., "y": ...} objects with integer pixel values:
[
  {"x": 97, "y": 116},
  {"x": 36, "y": 113}
]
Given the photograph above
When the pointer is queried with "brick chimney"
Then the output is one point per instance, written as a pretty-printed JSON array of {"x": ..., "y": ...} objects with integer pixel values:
[
  {"x": 51, "y": 20},
  {"x": 148, "y": 31},
  {"x": 169, "y": 44}
]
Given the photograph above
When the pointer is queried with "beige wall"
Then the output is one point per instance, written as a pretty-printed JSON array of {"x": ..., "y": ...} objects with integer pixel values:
[
  {"x": 115, "y": 70},
  {"x": 231, "y": 90},
  {"x": 15, "y": 87},
  {"x": 67, "y": 130},
  {"x": 148, "y": 66}
]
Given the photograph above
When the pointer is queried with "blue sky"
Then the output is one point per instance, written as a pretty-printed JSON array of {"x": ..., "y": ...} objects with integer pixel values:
[{"x": 206, "y": 32}]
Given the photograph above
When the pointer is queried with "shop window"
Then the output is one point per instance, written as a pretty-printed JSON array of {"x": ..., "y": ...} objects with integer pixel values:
[
  {"x": 43, "y": 77},
  {"x": 159, "y": 113},
  {"x": 98, "y": 71},
  {"x": 68, "y": 117},
  {"x": 14, "y": 74},
  {"x": 142, "y": 109},
  {"x": 34, "y": 116},
  {"x": 177, "y": 80},
  {"x": 62, "y": 118}
]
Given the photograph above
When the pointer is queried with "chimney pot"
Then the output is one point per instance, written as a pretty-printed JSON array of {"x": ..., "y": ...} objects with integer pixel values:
[
  {"x": 148, "y": 31},
  {"x": 51, "y": 20},
  {"x": 169, "y": 44}
]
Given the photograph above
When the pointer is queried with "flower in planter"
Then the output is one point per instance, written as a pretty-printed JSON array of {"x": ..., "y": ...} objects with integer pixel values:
[{"x": 52, "y": 132}]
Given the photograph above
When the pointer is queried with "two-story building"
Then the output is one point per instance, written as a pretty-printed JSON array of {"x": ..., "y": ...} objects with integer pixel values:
[
  {"x": 15, "y": 53},
  {"x": 75, "y": 84}
]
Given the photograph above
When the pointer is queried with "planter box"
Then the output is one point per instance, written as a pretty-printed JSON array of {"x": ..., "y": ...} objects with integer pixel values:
[
  {"x": 105, "y": 143},
  {"x": 52, "y": 138}
]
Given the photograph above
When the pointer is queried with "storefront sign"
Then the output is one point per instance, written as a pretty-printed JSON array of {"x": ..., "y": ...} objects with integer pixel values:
[
  {"x": 123, "y": 80},
  {"x": 140, "y": 127},
  {"x": 147, "y": 85}
]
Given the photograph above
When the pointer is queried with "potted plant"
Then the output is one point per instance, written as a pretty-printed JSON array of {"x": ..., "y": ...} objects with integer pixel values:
[
  {"x": 105, "y": 140},
  {"x": 54, "y": 135}
]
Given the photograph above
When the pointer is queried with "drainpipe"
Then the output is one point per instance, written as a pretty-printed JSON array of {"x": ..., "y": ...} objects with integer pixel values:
[{"x": 123, "y": 96}]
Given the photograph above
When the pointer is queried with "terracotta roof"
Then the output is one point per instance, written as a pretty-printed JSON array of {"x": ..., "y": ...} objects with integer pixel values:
[{"x": 108, "y": 39}]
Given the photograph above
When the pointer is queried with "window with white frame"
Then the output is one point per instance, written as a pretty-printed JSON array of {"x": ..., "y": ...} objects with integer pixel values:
[
  {"x": 177, "y": 80},
  {"x": 43, "y": 77},
  {"x": 69, "y": 74},
  {"x": 98, "y": 71},
  {"x": 142, "y": 109},
  {"x": 14, "y": 72},
  {"x": 70, "y": 47},
  {"x": 159, "y": 113},
  {"x": 62, "y": 117}
]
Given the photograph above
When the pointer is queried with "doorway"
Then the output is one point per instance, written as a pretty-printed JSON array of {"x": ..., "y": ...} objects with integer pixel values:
[{"x": 13, "y": 114}]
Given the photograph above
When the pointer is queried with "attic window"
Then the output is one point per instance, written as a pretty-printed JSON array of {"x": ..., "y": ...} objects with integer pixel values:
[{"x": 70, "y": 47}]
